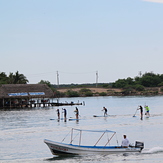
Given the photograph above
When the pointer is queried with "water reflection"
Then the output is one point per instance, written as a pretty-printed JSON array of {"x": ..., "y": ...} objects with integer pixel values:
[{"x": 62, "y": 157}]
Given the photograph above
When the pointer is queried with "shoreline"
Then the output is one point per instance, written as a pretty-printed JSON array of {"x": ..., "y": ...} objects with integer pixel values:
[{"x": 111, "y": 91}]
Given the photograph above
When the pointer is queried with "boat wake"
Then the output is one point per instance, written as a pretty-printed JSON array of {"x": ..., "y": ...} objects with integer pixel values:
[{"x": 153, "y": 150}]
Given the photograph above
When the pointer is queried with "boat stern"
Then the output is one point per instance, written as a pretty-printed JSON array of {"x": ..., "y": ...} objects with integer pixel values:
[{"x": 139, "y": 145}]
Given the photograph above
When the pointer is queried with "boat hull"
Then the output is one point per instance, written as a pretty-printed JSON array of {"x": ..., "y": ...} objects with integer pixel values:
[{"x": 60, "y": 148}]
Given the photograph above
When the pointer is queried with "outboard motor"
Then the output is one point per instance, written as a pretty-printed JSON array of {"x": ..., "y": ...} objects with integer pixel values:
[{"x": 139, "y": 145}]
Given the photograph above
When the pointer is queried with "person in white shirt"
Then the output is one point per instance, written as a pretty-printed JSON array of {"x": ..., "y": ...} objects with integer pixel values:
[{"x": 125, "y": 142}]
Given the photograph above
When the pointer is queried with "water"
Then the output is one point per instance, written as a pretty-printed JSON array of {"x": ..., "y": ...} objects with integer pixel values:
[{"x": 22, "y": 131}]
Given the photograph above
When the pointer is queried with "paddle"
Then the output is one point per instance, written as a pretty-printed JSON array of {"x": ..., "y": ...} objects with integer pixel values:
[{"x": 135, "y": 113}]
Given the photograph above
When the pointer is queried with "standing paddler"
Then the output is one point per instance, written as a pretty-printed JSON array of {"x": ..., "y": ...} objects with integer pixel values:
[
  {"x": 77, "y": 113},
  {"x": 141, "y": 112},
  {"x": 58, "y": 113},
  {"x": 65, "y": 113},
  {"x": 147, "y": 110},
  {"x": 105, "y": 111}
]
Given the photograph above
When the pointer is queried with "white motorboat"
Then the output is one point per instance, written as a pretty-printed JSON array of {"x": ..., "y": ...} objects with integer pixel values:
[{"x": 65, "y": 148}]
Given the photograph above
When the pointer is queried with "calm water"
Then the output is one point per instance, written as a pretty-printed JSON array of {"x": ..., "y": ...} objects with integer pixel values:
[{"x": 22, "y": 131}]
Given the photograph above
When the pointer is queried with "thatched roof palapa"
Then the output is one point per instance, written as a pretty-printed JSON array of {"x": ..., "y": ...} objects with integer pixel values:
[{"x": 25, "y": 91}]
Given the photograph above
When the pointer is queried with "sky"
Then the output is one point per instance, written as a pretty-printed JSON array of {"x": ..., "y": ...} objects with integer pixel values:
[{"x": 85, "y": 41}]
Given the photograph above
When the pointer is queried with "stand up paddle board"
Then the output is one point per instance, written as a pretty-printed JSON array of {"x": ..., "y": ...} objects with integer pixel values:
[
  {"x": 100, "y": 116},
  {"x": 104, "y": 116},
  {"x": 73, "y": 119},
  {"x": 58, "y": 119}
]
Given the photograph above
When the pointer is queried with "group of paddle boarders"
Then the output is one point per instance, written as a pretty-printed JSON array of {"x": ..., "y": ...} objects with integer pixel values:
[
  {"x": 141, "y": 111},
  {"x": 64, "y": 111}
]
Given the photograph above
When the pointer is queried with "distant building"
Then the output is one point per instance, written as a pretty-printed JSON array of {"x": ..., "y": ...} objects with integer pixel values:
[{"x": 22, "y": 95}]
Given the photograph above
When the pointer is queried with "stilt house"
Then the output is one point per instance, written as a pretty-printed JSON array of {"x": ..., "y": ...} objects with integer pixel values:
[{"x": 24, "y": 95}]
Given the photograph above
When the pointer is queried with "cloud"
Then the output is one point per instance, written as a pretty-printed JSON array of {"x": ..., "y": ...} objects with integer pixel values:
[{"x": 156, "y": 1}]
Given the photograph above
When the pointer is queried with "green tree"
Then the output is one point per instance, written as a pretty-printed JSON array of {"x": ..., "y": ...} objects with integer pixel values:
[
  {"x": 85, "y": 92},
  {"x": 147, "y": 80},
  {"x": 160, "y": 84},
  {"x": 45, "y": 82},
  {"x": 129, "y": 81},
  {"x": 89, "y": 93},
  {"x": 139, "y": 87},
  {"x": 103, "y": 94},
  {"x": 19, "y": 78},
  {"x": 71, "y": 93},
  {"x": 150, "y": 80},
  {"x": 120, "y": 83},
  {"x": 11, "y": 78},
  {"x": 137, "y": 80},
  {"x": 50, "y": 86},
  {"x": 3, "y": 78}
]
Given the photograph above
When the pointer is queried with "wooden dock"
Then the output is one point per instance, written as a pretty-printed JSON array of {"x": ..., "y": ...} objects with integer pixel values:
[
  {"x": 51, "y": 104},
  {"x": 41, "y": 104}
]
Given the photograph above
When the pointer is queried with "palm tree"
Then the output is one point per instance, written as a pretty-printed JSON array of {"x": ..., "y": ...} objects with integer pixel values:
[
  {"x": 20, "y": 79},
  {"x": 17, "y": 78},
  {"x": 10, "y": 78}
]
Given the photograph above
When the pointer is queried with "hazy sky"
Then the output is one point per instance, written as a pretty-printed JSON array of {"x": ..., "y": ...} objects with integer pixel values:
[{"x": 117, "y": 38}]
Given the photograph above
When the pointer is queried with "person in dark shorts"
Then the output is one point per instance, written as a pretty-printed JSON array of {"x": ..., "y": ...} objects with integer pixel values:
[
  {"x": 77, "y": 113},
  {"x": 141, "y": 112},
  {"x": 105, "y": 111},
  {"x": 65, "y": 113},
  {"x": 58, "y": 113}
]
